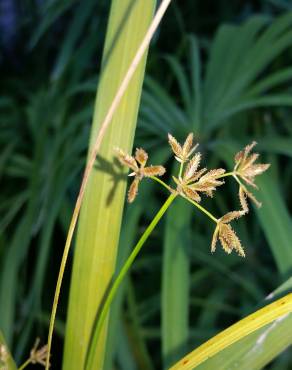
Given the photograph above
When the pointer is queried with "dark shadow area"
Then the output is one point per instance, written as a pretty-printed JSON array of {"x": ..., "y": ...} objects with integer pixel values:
[{"x": 116, "y": 172}]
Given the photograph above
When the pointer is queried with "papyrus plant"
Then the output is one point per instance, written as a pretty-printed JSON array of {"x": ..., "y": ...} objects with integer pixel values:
[{"x": 192, "y": 183}]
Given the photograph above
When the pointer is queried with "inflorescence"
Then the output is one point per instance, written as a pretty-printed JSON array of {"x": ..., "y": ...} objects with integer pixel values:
[{"x": 192, "y": 182}]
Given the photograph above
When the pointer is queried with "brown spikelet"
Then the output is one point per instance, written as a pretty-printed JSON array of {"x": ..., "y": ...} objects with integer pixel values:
[
  {"x": 190, "y": 193},
  {"x": 153, "y": 171},
  {"x": 192, "y": 167},
  {"x": 195, "y": 180},
  {"x": 230, "y": 216},
  {"x": 242, "y": 199},
  {"x": 187, "y": 147},
  {"x": 137, "y": 164},
  {"x": 141, "y": 156},
  {"x": 197, "y": 175},
  {"x": 39, "y": 356},
  {"x": 214, "y": 239},
  {"x": 245, "y": 166},
  {"x": 182, "y": 152},
  {"x": 175, "y": 146},
  {"x": 126, "y": 160},
  {"x": 209, "y": 181},
  {"x": 133, "y": 190},
  {"x": 227, "y": 236}
]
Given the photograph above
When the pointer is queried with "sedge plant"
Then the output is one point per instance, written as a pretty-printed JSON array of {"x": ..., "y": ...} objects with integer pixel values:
[{"x": 191, "y": 183}]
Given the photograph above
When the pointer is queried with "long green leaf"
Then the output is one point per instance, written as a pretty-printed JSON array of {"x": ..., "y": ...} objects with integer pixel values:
[
  {"x": 176, "y": 282},
  {"x": 274, "y": 212},
  {"x": 259, "y": 348},
  {"x": 257, "y": 320},
  {"x": 101, "y": 213}
]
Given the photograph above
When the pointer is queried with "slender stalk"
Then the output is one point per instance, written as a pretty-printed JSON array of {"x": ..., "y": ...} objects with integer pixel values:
[
  {"x": 201, "y": 208},
  {"x": 226, "y": 174},
  {"x": 115, "y": 103},
  {"x": 162, "y": 183},
  {"x": 121, "y": 276},
  {"x": 25, "y": 364},
  {"x": 238, "y": 181},
  {"x": 204, "y": 210},
  {"x": 181, "y": 167}
]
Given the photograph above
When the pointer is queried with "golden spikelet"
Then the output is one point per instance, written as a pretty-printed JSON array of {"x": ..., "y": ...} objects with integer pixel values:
[
  {"x": 38, "y": 356},
  {"x": 141, "y": 156},
  {"x": 137, "y": 164},
  {"x": 245, "y": 166},
  {"x": 133, "y": 190},
  {"x": 182, "y": 152},
  {"x": 194, "y": 180},
  {"x": 246, "y": 169},
  {"x": 226, "y": 235},
  {"x": 243, "y": 195}
]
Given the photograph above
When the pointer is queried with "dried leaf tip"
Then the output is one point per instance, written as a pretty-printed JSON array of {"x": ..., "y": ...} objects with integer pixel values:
[
  {"x": 195, "y": 181},
  {"x": 247, "y": 170},
  {"x": 182, "y": 152},
  {"x": 137, "y": 164},
  {"x": 226, "y": 235}
]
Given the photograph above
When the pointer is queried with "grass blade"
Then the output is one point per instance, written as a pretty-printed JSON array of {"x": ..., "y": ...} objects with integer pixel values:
[
  {"x": 236, "y": 332},
  {"x": 175, "y": 282},
  {"x": 258, "y": 349},
  {"x": 101, "y": 213}
]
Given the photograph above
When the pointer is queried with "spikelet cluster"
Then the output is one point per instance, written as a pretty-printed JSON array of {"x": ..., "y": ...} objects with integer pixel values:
[
  {"x": 182, "y": 152},
  {"x": 194, "y": 181},
  {"x": 137, "y": 165},
  {"x": 226, "y": 235},
  {"x": 246, "y": 169},
  {"x": 38, "y": 355}
]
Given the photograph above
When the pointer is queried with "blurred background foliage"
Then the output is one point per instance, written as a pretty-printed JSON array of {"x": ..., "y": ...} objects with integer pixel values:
[{"x": 219, "y": 69}]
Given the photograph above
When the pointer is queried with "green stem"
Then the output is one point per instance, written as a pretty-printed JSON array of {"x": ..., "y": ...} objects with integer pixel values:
[
  {"x": 181, "y": 169},
  {"x": 238, "y": 181},
  {"x": 25, "y": 364},
  {"x": 161, "y": 183},
  {"x": 232, "y": 173},
  {"x": 201, "y": 208},
  {"x": 121, "y": 275},
  {"x": 190, "y": 200}
]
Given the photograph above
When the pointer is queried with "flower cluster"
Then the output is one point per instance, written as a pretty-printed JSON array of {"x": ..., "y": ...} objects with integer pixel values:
[
  {"x": 193, "y": 181},
  {"x": 137, "y": 165},
  {"x": 246, "y": 169},
  {"x": 38, "y": 355}
]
